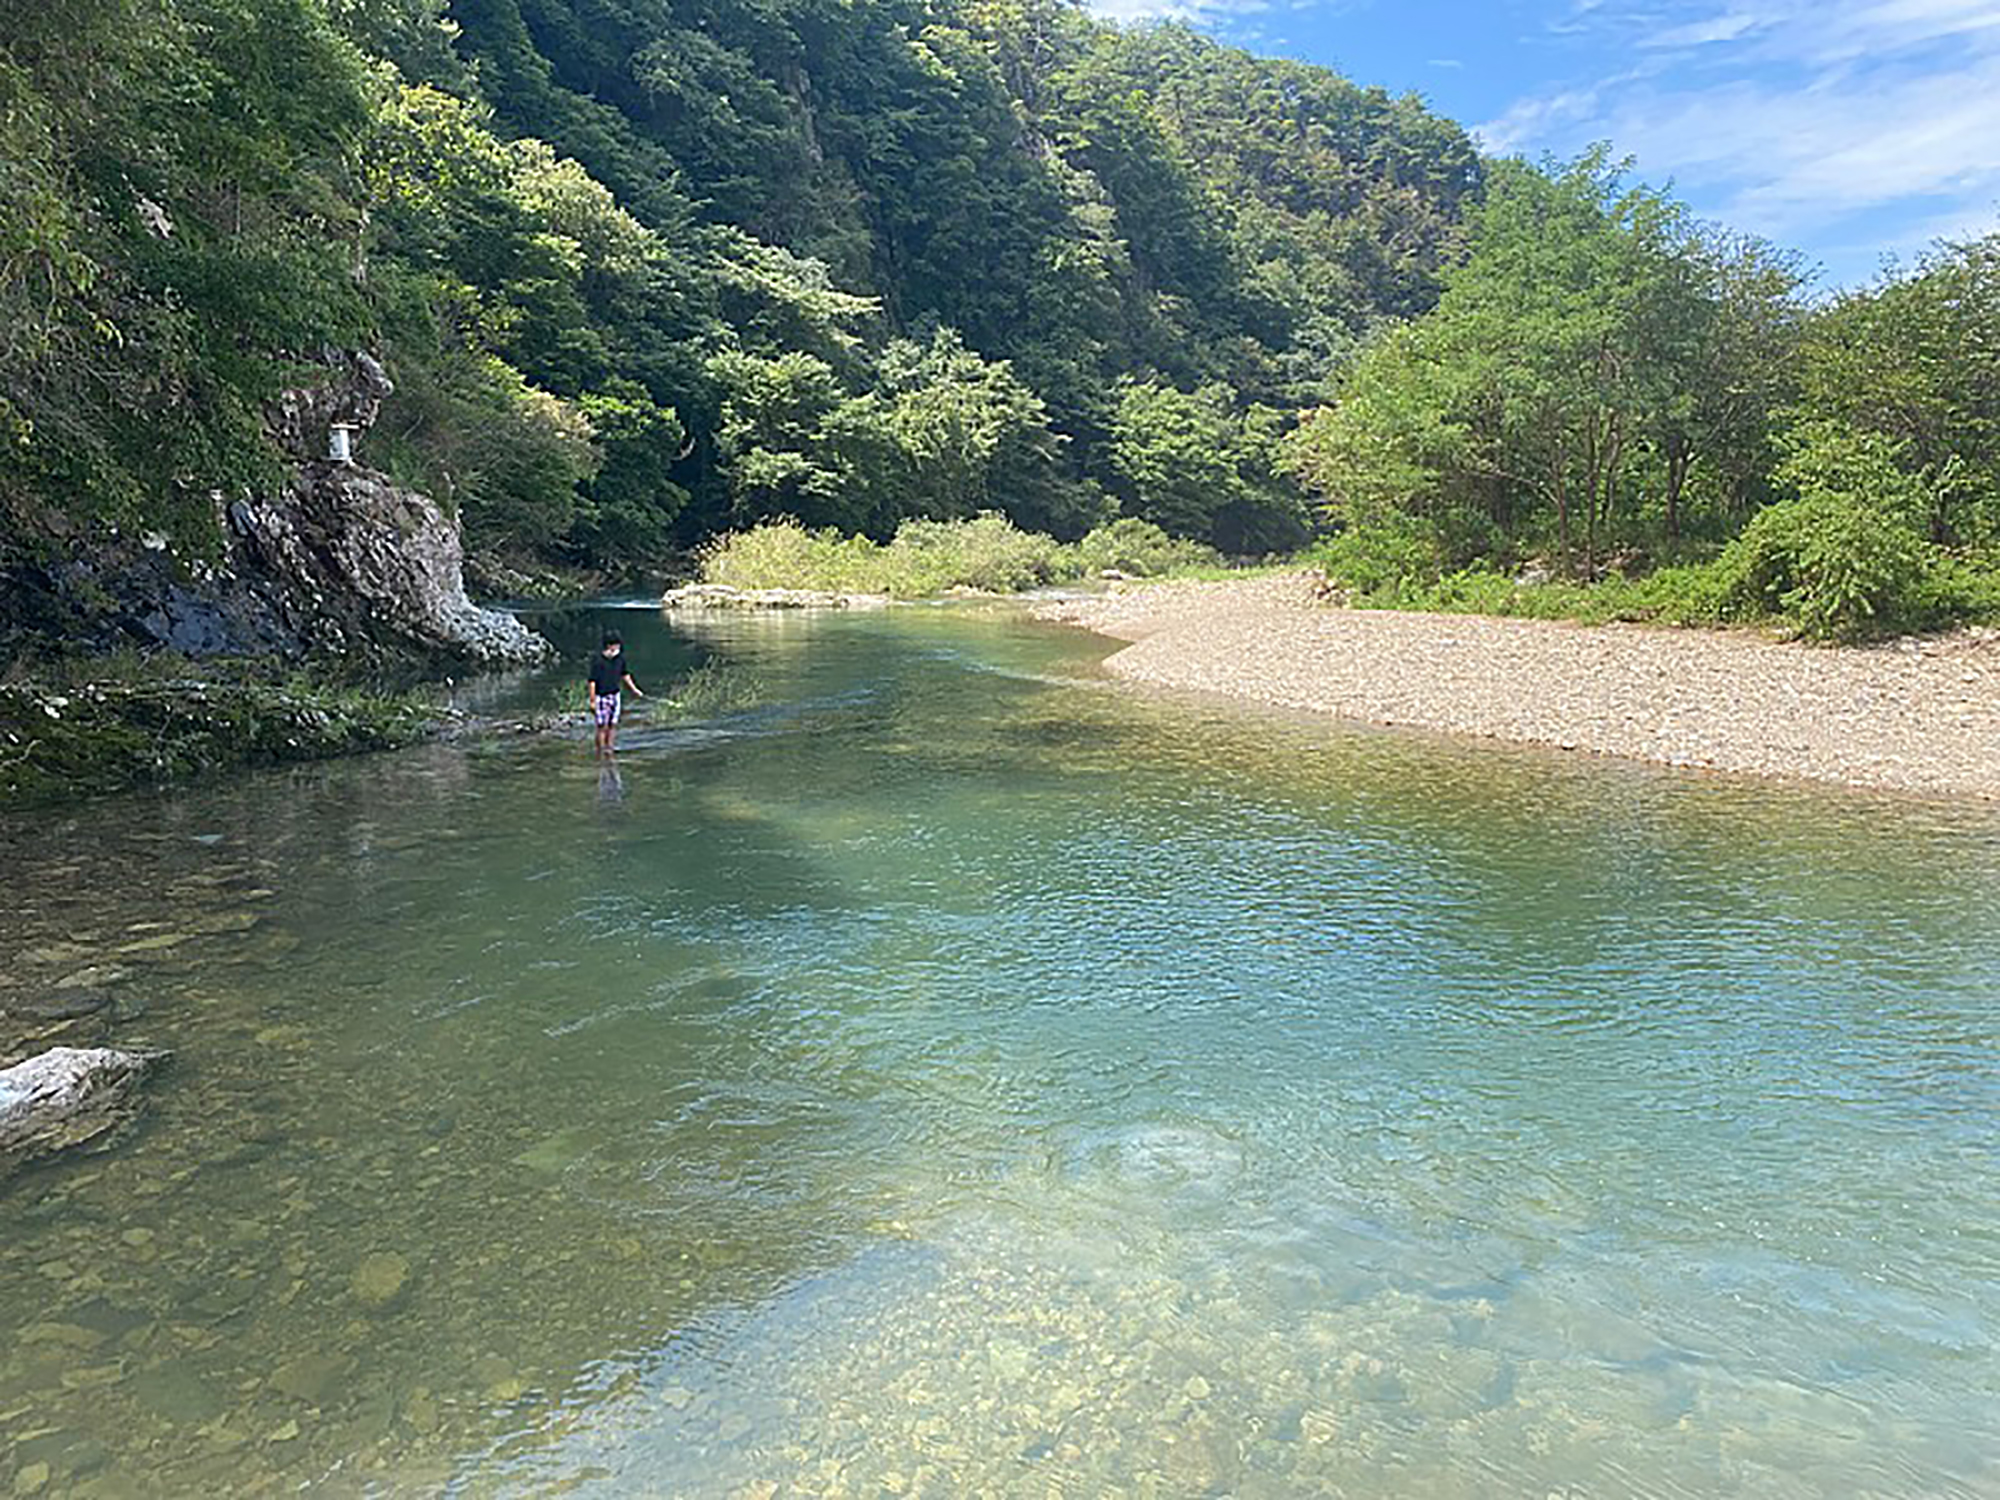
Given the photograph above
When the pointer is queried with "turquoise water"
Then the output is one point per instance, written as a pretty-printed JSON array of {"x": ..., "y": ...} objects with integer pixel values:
[{"x": 948, "y": 1073}]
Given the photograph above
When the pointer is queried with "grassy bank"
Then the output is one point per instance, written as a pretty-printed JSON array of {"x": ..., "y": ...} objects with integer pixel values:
[
  {"x": 1784, "y": 572},
  {"x": 927, "y": 558},
  {"x": 154, "y": 726}
]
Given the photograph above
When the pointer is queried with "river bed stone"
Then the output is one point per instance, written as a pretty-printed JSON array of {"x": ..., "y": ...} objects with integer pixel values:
[{"x": 380, "y": 1280}]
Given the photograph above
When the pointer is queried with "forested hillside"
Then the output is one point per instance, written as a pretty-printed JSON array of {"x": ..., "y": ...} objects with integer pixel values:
[{"x": 643, "y": 271}]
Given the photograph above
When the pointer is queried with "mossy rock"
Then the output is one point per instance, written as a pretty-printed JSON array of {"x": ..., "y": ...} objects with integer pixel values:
[{"x": 108, "y": 737}]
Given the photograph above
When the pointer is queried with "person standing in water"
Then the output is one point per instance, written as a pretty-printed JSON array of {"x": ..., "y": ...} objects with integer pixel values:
[{"x": 608, "y": 681}]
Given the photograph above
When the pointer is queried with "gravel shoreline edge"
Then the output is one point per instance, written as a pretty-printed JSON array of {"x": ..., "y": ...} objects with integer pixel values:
[{"x": 1915, "y": 715}]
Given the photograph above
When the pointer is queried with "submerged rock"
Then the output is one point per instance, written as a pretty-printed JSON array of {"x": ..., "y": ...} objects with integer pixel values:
[
  {"x": 312, "y": 1378},
  {"x": 59, "y": 1004},
  {"x": 38, "y": 1020},
  {"x": 380, "y": 1280},
  {"x": 68, "y": 1096}
]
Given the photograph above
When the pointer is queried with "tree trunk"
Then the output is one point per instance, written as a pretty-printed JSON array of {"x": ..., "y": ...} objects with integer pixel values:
[
  {"x": 1679, "y": 454},
  {"x": 1613, "y": 454},
  {"x": 1591, "y": 477},
  {"x": 1562, "y": 520},
  {"x": 1590, "y": 533}
]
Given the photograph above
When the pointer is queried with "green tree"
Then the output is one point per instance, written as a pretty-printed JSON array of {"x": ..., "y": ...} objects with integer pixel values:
[
  {"x": 1568, "y": 377},
  {"x": 1916, "y": 360},
  {"x": 176, "y": 214},
  {"x": 1190, "y": 463}
]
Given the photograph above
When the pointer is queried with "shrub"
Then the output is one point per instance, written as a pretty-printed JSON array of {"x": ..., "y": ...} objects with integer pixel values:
[
  {"x": 1687, "y": 594},
  {"x": 785, "y": 555},
  {"x": 1833, "y": 566},
  {"x": 987, "y": 552},
  {"x": 926, "y": 557},
  {"x": 1964, "y": 587},
  {"x": 1383, "y": 564},
  {"x": 1133, "y": 545}
]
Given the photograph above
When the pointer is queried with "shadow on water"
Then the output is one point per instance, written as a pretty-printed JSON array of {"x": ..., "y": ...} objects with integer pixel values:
[{"x": 949, "y": 1072}]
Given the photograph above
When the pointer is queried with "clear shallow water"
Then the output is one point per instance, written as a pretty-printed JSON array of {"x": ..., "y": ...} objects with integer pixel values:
[{"x": 951, "y": 1075}]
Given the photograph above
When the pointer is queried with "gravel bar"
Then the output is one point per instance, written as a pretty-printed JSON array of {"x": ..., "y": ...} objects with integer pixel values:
[{"x": 1914, "y": 715}]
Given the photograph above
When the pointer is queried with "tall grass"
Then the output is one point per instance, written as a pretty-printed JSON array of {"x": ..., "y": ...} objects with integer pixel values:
[{"x": 926, "y": 558}]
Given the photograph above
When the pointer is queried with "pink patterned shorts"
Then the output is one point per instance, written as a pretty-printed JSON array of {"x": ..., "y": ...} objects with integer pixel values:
[{"x": 607, "y": 708}]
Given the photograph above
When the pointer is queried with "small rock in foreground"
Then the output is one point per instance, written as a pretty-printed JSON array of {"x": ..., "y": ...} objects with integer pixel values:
[{"x": 68, "y": 1096}]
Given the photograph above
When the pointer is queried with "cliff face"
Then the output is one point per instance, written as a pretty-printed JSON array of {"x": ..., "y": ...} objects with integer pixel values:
[{"x": 341, "y": 562}]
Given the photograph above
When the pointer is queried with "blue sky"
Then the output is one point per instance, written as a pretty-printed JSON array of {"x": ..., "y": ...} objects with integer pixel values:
[{"x": 1849, "y": 129}]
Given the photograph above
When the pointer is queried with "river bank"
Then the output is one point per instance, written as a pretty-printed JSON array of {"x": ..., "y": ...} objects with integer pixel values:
[{"x": 1915, "y": 715}]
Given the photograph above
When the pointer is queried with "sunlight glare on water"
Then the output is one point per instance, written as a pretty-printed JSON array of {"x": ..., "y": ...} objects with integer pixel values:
[{"x": 941, "y": 1072}]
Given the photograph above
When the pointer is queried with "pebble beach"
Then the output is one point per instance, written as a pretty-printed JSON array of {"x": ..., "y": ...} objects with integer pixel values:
[{"x": 1914, "y": 715}]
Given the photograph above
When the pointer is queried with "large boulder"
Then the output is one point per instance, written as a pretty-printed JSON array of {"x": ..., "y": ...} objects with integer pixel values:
[
  {"x": 67, "y": 1097},
  {"x": 373, "y": 563},
  {"x": 371, "y": 559}
]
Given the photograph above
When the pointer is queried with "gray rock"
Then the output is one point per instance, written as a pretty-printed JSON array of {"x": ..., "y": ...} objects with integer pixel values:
[
  {"x": 367, "y": 556},
  {"x": 724, "y": 596},
  {"x": 68, "y": 1096}
]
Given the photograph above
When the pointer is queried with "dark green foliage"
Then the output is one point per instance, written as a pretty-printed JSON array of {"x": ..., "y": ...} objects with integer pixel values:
[
  {"x": 1191, "y": 464},
  {"x": 643, "y": 269},
  {"x": 174, "y": 218},
  {"x": 1009, "y": 171}
]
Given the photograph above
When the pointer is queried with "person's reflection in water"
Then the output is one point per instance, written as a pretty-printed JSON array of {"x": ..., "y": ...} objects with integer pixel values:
[{"x": 610, "y": 784}]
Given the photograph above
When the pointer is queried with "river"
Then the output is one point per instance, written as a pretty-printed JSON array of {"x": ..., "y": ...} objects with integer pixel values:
[{"x": 945, "y": 1072}]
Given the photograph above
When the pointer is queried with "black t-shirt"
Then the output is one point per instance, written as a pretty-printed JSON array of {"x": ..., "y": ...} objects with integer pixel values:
[{"x": 607, "y": 673}]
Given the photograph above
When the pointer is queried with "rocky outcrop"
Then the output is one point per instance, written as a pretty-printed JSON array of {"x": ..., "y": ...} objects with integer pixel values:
[
  {"x": 68, "y": 1097},
  {"x": 366, "y": 556},
  {"x": 340, "y": 561}
]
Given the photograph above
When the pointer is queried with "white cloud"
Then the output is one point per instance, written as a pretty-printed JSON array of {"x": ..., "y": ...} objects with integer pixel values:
[
  {"x": 1723, "y": 28},
  {"x": 1787, "y": 117}
]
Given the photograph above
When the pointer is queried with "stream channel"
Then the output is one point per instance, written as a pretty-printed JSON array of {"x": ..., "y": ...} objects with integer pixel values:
[{"x": 941, "y": 1071}]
